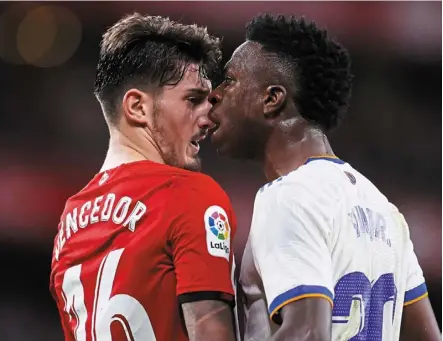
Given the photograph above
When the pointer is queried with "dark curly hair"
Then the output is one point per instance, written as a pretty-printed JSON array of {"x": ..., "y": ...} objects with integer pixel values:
[
  {"x": 150, "y": 52},
  {"x": 319, "y": 66}
]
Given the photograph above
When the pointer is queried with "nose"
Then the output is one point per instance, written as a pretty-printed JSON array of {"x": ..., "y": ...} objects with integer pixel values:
[
  {"x": 204, "y": 123},
  {"x": 214, "y": 97}
]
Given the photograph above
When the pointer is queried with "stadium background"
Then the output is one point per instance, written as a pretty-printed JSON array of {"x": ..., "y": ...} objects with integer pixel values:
[{"x": 53, "y": 138}]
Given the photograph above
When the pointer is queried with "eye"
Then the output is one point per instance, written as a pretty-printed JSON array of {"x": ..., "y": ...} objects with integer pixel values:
[
  {"x": 195, "y": 100},
  {"x": 227, "y": 80}
]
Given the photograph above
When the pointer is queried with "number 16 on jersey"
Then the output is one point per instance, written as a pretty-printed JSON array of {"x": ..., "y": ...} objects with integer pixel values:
[{"x": 120, "y": 308}]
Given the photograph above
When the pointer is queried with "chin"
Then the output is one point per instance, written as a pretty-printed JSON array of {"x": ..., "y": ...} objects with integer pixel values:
[
  {"x": 234, "y": 150},
  {"x": 234, "y": 145},
  {"x": 239, "y": 154},
  {"x": 194, "y": 166},
  {"x": 224, "y": 151},
  {"x": 221, "y": 145}
]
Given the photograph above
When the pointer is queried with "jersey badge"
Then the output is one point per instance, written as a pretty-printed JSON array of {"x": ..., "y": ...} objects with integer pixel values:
[{"x": 218, "y": 232}]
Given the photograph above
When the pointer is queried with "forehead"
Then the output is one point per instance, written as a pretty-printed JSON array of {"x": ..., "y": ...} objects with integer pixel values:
[
  {"x": 246, "y": 58},
  {"x": 192, "y": 80}
]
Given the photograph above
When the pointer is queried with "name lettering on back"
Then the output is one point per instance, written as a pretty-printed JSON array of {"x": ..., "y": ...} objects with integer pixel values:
[{"x": 101, "y": 209}]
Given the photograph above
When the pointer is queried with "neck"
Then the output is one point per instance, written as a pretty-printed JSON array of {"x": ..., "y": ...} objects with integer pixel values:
[
  {"x": 126, "y": 148},
  {"x": 289, "y": 147}
]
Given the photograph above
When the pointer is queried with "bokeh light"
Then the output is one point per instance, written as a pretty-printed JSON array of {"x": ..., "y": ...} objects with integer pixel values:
[
  {"x": 48, "y": 36},
  {"x": 42, "y": 36},
  {"x": 10, "y": 20},
  {"x": 53, "y": 138}
]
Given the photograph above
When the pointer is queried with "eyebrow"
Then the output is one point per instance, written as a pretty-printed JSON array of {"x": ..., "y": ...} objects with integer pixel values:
[{"x": 199, "y": 91}]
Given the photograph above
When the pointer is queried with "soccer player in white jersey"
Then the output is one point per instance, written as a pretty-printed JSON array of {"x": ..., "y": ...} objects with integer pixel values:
[{"x": 328, "y": 256}]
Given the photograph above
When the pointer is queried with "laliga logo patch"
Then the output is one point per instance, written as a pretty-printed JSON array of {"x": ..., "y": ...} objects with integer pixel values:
[{"x": 218, "y": 232}]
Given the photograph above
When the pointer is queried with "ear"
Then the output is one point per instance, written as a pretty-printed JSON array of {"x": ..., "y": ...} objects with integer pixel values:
[
  {"x": 274, "y": 101},
  {"x": 136, "y": 106}
]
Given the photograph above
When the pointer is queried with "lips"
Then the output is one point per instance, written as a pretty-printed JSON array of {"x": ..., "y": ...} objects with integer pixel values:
[
  {"x": 216, "y": 126},
  {"x": 199, "y": 138},
  {"x": 215, "y": 135},
  {"x": 215, "y": 130},
  {"x": 195, "y": 145},
  {"x": 195, "y": 142}
]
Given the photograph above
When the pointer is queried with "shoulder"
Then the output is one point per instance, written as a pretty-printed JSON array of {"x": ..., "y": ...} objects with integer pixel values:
[
  {"x": 198, "y": 199},
  {"x": 193, "y": 183},
  {"x": 310, "y": 188},
  {"x": 198, "y": 196},
  {"x": 297, "y": 185},
  {"x": 175, "y": 181}
]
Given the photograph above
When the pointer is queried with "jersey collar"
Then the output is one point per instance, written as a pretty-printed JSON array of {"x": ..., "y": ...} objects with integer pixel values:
[{"x": 325, "y": 158}]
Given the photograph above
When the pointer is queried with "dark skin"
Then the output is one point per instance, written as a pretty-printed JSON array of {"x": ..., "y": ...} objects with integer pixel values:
[
  {"x": 257, "y": 98},
  {"x": 306, "y": 319},
  {"x": 419, "y": 323}
]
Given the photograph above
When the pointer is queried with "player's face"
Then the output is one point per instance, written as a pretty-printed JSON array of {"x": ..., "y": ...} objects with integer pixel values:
[
  {"x": 181, "y": 120},
  {"x": 237, "y": 107}
]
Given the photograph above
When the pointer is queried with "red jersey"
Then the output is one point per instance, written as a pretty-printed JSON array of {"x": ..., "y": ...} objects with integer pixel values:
[{"x": 134, "y": 243}]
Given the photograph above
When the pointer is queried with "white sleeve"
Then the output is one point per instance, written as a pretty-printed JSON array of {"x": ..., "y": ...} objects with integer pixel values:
[
  {"x": 290, "y": 247},
  {"x": 415, "y": 282}
]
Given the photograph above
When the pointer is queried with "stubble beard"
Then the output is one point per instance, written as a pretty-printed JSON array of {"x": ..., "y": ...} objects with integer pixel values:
[{"x": 165, "y": 143}]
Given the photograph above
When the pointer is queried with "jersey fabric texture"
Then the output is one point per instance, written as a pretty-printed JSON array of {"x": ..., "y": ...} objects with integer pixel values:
[
  {"x": 326, "y": 231},
  {"x": 132, "y": 245}
]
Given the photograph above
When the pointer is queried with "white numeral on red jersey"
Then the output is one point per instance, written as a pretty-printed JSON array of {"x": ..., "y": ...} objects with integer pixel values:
[
  {"x": 74, "y": 296},
  {"x": 107, "y": 309}
]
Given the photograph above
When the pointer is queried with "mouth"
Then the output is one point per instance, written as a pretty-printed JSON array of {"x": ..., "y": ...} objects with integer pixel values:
[
  {"x": 215, "y": 129},
  {"x": 195, "y": 146},
  {"x": 214, "y": 132},
  {"x": 195, "y": 143}
]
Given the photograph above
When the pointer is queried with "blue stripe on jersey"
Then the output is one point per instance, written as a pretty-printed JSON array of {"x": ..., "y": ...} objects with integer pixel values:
[
  {"x": 417, "y": 292},
  {"x": 326, "y": 158},
  {"x": 302, "y": 291}
]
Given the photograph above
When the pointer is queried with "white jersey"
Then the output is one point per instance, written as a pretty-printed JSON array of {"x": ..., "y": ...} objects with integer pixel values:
[{"x": 324, "y": 230}]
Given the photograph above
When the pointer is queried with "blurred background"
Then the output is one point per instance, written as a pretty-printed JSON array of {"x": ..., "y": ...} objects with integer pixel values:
[{"x": 53, "y": 138}]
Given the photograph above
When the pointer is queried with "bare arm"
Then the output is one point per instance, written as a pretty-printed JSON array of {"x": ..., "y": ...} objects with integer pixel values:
[
  {"x": 419, "y": 323},
  {"x": 209, "y": 320},
  {"x": 305, "y": 320}
]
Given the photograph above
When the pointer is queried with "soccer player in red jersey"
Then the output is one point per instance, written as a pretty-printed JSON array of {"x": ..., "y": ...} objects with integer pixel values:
[{"x": 143, "y": 252}]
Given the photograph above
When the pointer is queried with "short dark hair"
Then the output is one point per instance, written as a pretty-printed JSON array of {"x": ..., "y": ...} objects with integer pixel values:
[
  {"x": 320, "y": 67},
  {"x": 150, "y": 51}
]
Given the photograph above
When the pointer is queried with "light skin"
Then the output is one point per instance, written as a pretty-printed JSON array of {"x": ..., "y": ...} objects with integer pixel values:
[
  {"x": 257, "y": 99},
  {"x": 164, "y": 129},
  {"x": 209, "y": 320}
]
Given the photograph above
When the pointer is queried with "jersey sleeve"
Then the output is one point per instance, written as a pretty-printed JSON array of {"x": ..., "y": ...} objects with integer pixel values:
[
  {"x": 415, "y": 282},
  {"x": 289, "y": 242},
  {"x": 201, "y": 240}
]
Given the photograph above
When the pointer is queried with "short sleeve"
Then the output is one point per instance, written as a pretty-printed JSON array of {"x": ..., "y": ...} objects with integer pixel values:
[
  {"x": 415, "y": 282},
  {"x": 290, "y": 248},
  {"x": 201, "y": 241}
]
